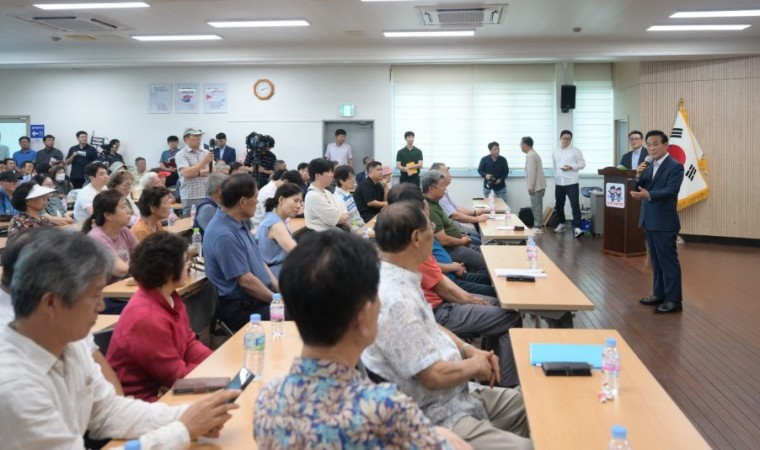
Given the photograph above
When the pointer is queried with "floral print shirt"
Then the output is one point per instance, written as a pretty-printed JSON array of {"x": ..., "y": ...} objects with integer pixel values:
[
  {"x": 324, "y": 404},
  {"x": 23, "y": 221}
]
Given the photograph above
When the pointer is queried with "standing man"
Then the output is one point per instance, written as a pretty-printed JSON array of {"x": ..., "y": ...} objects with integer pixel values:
[
  {"x": 49, "y": 155},
  {"x": 658, "y": 184},
  {"x": 638, "y": 153},
  {"x": 4, "y": 150},
  {"x": 167, "y": 162},
  {"x": 193, "y": 165},
  {"x": 409, "y": 161},
  {"x": 79, "y": 156},
  {"x": 371, "y": 195},
  {"x": 339, "y": 150},
  {"x": 224, "y": 152},
  {"x": 568, "y": 161},
  {"x": 536, "y": 181},
  {"x": 261, "y": 161},
  {"x": 26, "y": 153},
  {"x": 494, "y": 170}
]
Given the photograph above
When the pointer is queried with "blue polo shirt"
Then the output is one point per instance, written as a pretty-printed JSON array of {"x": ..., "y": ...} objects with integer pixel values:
[
  {"x": 21, "y": 157},
  {"x": 442, "y": 257},
  {"x": 6, "y": 207},
  {"x": 229, "y": 252}
]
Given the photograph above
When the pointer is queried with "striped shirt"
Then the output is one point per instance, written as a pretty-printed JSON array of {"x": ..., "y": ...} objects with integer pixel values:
[
  {"x": 191, "y": 188},
  {"x": 346, "y": 200}
]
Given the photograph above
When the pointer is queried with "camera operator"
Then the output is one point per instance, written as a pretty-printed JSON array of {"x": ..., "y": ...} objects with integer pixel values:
[{"x": 260, "y": 157}]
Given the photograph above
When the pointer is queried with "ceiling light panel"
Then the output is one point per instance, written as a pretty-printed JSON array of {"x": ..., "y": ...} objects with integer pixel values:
[
  {"x": 712, "y": 14},
  {"x": 449, "y": 33},
  {"x": 182, "y": 37},
  {"x": 65, "y": 6},
  {"x": 697, "y": 27},
  {"x": 257, "y": 23}
]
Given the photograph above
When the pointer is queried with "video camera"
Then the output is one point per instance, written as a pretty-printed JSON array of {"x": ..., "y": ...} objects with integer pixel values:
[{"x": 257, "y": 142}]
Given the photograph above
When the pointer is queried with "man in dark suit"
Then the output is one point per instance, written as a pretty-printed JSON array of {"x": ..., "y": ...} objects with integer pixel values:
[
  {"x": 658, "y": 184},
  {"x": 638, "y": 152},
  {"x": 222, "y": 151}
]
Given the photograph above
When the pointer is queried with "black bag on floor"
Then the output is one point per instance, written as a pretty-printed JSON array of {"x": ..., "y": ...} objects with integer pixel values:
[
  {"x": 526, "y": 217},
  {"x": 553, "y": 221}
]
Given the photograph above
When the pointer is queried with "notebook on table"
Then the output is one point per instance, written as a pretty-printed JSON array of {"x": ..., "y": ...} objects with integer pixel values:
[{"x": 547, "y": 352}]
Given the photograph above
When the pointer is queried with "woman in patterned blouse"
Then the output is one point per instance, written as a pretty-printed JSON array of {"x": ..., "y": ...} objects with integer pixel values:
[
  {"x": 325, "y": 401},
  {"x": 30, "y": 200}
]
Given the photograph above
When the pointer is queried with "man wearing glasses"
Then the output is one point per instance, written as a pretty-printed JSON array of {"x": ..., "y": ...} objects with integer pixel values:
[{"x": 638, "y": 153}]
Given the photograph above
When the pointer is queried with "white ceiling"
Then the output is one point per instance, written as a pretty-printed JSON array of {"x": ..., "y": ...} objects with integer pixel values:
[{"x": 350, "y": 31}]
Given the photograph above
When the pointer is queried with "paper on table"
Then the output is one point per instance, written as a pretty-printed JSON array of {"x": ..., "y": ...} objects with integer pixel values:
[
  {"x": 538, "y": 273},
  {"x": 506, "y": 227},
  {"x": 480, "y": 206}
]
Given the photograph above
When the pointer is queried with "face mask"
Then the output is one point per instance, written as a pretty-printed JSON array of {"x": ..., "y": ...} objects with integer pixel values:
[{"x": 60, "y": 177}]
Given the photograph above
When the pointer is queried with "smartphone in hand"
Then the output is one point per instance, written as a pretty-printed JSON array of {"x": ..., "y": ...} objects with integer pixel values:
[{"x": 240, "y": 381}]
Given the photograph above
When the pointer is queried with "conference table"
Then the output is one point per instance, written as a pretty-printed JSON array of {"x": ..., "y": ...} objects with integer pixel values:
[
  {"x": 127, "y": 287},
  {"x": 226, "y": 361},
  {"x": 104, "y": 321},
  {"x": 553, "y": 297},
  {"x": 482, "y": 203},
  {"x": 299, "y": 223},
  {"x": 181, "y": 226},
  {"x": 498, "y": 229},
  {"x": 565, "y": 412}
]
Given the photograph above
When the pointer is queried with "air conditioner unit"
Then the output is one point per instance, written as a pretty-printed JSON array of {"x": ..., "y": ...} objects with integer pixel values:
[
  {"x": 461, "y": 16},
  {"x": 78, "y": 23}
]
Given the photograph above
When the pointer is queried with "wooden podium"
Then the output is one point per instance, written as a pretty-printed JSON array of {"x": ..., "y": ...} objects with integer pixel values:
[{"x": 622, "y": 235}]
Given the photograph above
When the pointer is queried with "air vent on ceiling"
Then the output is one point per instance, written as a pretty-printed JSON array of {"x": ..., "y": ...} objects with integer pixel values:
[
  {"x": 78, "y": 23},
  {"x": 464, "y": 16}
]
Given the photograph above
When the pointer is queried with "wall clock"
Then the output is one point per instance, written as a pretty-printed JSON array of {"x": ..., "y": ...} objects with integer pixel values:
[{"x": 263, "y": 89}]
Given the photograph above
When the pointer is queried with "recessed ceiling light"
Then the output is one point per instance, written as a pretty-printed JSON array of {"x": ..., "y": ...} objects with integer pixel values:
[
  {"x": 697, "y": 27},
  {"x": 697, "y": 14},
  {"x": 451, "y": 33},
  {"x": 181, "y": 37},
  {"x": 61, "y": 6},
  {"x": 258, "y": 23},
  {"x": 390, "y": 0}
]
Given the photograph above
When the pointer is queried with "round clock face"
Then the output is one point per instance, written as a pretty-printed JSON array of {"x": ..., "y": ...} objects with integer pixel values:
[{"x": 263, "y": 89}]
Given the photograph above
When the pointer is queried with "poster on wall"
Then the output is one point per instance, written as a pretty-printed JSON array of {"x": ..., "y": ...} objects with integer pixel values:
[
  {"x": 186, "y": 101},
  {"x": 160, "y": 95},
  {"x": 615, "y": 195},
  {"x": 215, "y": 98}
]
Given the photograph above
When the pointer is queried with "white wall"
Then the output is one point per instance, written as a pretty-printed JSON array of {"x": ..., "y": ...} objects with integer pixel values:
[{"x": 114, "y": 103}]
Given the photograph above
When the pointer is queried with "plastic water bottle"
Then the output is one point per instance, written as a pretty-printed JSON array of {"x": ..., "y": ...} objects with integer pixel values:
[
  {"x": 491, "y": 206},
  {"x": 172, "y": 218},
  {"x": 277, "y": 316},
  {"x": 254, "y": 343},
  {"x": 531, "y": 249},
  {"x": 193, "y": 209},
  {"x": 197, "y": 241},
  {"x": 508, "y": 215},
  {"x": 134, "y": 444},
  {"x": 619, "y": 439},
  {"x": 611, "y": 369}
]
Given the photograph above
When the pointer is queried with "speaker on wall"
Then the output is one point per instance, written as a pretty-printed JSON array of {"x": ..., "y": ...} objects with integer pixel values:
[{"x": 567, "y": 97}]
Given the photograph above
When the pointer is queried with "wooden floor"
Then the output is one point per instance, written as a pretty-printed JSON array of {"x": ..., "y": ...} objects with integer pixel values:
[{"x": 708, "y": 357}]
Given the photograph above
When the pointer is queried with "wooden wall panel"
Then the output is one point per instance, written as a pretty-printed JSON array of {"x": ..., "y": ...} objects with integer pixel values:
[{"x": 723, "y": 103}]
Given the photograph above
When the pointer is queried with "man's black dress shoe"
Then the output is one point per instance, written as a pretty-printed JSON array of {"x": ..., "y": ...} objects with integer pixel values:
[
  {"x": 669, "y": 307},
  {"x": 651, "y": 301}
]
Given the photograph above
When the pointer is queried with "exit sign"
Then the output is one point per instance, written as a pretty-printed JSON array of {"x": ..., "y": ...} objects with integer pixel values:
[{"x": 347, "y": 110}]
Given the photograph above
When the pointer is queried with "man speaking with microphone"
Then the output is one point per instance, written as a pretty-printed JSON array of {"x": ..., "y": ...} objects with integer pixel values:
[{"x": 658, "y": 180}]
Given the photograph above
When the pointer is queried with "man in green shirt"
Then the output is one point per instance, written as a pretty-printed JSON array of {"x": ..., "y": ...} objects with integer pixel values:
[
  {"x": 409, "y": 161},
  {"x": 445, "y": 230}
]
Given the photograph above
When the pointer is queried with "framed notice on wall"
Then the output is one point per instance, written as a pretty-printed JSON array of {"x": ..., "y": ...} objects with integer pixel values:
[
  {"x": 160, "y": 98},
  {"x": 187, "y": 99},
  {"x": 215, "y": 98}
]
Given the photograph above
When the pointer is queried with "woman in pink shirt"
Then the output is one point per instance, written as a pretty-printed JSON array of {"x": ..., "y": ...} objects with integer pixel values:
[{"x": 152, "y": 345}]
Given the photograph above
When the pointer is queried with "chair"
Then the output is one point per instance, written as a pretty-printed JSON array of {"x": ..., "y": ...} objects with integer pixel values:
[
  {"x": 201, "y": 305},
  {"x": 586, "y": 193},
  {"x": 103, "y": 339}
]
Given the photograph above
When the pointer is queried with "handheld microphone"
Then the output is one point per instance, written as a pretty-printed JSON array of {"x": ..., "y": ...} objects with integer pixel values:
[
  {"x": 648, "y": 160},
  {"x": 212, "y": 143}
]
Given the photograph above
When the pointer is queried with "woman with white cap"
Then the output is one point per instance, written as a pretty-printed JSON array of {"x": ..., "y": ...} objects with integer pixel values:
[{"x": 29, "y": 199}]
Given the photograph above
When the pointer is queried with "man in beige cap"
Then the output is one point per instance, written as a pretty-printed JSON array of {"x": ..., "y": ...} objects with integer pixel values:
[{"x": 194, "y": 163}]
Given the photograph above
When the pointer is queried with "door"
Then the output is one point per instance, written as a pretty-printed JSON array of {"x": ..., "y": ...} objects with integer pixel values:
[{"x": 360, "y": 135}]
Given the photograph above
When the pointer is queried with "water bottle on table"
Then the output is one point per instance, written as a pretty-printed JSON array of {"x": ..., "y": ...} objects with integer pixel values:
[
  {"x": 197, "y": 241},
  {"x": 172, "y": 218},
  {"x": 619, "y": 439},
  {"x": 531, "y": 250},
  {"x": 611, "y": 370},
  {"x": 254, "y": 343},
  {"x": 508, "y": 215},
  {"x": 193, "y": 209},
  {"x": 277, "y": 316}
]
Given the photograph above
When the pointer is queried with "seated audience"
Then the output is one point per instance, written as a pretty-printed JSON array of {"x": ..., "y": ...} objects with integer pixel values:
[
  {"x": 155, "y": 314},
  {"x": 337, "y": 318},
  {"x": 265, "y": 193},
  {"x": 9, "y": 180},
  {"x": 273, "y": 236},
  {"x": 345, "y": 183},
  {"x": 321, "y": 210},
  {"x": 30, "y": 200},
  {"x": 55, "y": 211},
  {"x": 155, "y": 206},
  {"x": 97, "y": 174},
  {"x": 121, "y": 181},
  {"x": 61, "y": 182},
  {"x": 51, "y": 390},
  {"x": 27, "y": 171},
  {"x": 141, "y": 168},
  {"x": 447, "y": 232},
  {"x": 10, "y": 164},
  {"x": 108, "y": 225},
  {"x": 205, "y": 211},
  {"x": 332, "y": 185},
  {"x": 467, "y": 219},
  {"x": 280, "y": 165},
  {"x": 237, "y": 167},
  {"x": 371, "y": 194},
  {"x": 363, "y": 174},
  {"x": 233, "y": 261}
]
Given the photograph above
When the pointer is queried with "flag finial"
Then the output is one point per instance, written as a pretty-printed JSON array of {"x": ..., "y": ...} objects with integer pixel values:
[{"x": 681, "y": 102}]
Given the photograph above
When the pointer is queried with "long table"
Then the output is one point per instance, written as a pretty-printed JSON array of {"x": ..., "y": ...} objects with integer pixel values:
[
  {"x": 104, "y": 321},
  {"x": 227, "y": 361},
  {"x": 482, "y": 203},
  {"x": 490, "y": 230},
  {"x": 181, "y": 226},
  {"x": 565, "y": 412},
  {"x": 126, "y": 287}
]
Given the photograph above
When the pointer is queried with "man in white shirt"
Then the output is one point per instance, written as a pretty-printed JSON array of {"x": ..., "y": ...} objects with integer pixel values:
[
  {"x": 321, "y": 209},
  {"x": 568, "y": 161},
  {"x": 97, "y": 174},
  {"x": 51, "y": 390},
  {"x": 535, "y": 180},
  {"x": 339, "y": 150}
]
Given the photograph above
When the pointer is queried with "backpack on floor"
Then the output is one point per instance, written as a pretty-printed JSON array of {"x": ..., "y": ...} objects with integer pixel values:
[
  {"x": 553, "y": 221},
  {"x": 526, "y": 217}
]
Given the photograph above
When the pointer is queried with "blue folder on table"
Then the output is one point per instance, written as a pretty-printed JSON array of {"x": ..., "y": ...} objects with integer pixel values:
[{"x": 545, "y": 352}]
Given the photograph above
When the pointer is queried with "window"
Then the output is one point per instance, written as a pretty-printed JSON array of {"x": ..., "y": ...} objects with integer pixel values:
[{"x": 593, "y": 118}]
